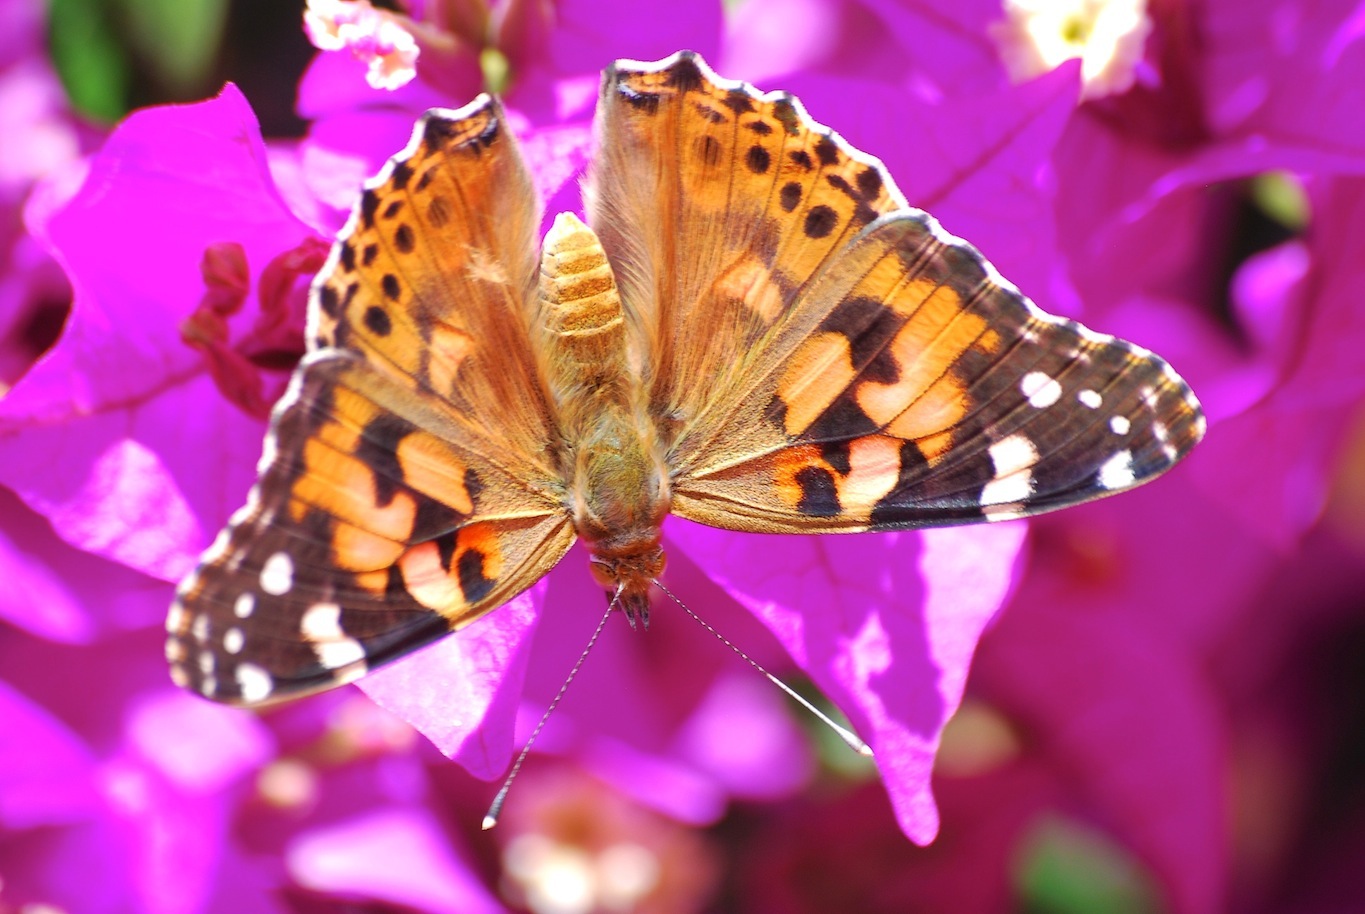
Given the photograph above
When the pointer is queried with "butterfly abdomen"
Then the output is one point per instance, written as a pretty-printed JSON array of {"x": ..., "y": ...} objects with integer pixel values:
[{"x": 611, "y": 455}]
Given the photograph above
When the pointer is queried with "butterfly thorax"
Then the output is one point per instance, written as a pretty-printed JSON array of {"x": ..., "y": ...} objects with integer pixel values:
[{"x": 610, "y": 452}]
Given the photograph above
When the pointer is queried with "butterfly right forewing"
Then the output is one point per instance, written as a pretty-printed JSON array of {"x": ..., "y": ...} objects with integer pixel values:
[{"x": 408, "y": 484}]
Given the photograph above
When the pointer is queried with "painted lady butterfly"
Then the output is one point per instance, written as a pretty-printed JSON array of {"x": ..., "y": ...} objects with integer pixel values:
[{"x": 757, "y": 333}]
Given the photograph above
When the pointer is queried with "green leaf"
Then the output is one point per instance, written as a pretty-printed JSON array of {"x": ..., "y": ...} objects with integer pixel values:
[
  {"x": 1281, "y": 196},
  {"x": 1069, "y": 868},
  {"x": 176, "y": 40},
  {"x": 90, "y": 61}
]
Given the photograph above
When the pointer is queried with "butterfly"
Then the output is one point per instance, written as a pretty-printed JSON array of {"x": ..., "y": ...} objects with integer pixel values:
[{"x": 752, "y": 330}]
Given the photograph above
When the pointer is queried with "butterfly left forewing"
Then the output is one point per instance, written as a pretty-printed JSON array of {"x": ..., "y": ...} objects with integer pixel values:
[{"x": 408, "y": 483}]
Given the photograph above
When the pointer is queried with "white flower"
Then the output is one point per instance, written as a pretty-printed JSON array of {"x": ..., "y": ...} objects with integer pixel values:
[
  {"x": 371, "y": 35},
  {"x": 1108, "y": 36}
]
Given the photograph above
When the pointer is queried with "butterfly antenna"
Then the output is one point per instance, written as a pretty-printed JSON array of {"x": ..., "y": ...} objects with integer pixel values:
[
  {"x": 495, "y": 808},
  {"x": 848, "y": 736}
]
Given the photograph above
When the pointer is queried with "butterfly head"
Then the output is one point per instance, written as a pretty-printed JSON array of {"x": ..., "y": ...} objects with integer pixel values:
[{"x": 628, "y": 569}]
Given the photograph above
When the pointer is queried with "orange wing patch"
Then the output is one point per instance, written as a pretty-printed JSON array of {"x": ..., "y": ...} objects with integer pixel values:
[{"x": 717, "y": 204}]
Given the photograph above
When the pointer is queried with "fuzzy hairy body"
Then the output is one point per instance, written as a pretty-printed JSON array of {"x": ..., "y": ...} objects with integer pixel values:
[{"x": 610, "y": 453}]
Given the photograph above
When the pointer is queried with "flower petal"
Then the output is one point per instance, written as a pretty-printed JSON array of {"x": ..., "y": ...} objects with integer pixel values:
[
  {"x": 116, "y": 435},
  {"x": 398, "y": 855},
  {"x": 462, "y": 692},
  {"x": 884, "y": 623}
]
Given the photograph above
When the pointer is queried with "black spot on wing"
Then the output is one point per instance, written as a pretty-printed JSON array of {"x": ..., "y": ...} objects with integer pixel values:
[
  {"x": 378, "y": 450},
  {"x": 869, "y": 182},
  {"x": 738, "y": 101},
  {"x": 473, "y": 584},
  {"x": 842, "y": 420},
  {"x": 709, "y": 113},
  {"x": 473, "y": 485},
  {"x": 644, "y": 102},
  {"x": 758, "y": 159},
  {"x": 819, "y": 496},
  {"x": 377, "y": 321},
  {"x": 445, "y": 547},
  {"x": 826, "y": 150},
  {"x": 685, "y": 75},
  {"x": 838, "y": 454},
  {"x": 434, "y": 520},
  {"x": 785, "y": 113},
  {"x": 396, "y": 590},
  {"x": 437, "y": 132},
  {"x": 820, "y": 221},
  {"x": 869, "y": 326},
  {"x": 863, "y": 212},
  {"x": 369, "y": 203},
  {"x": 329, "y": 301}
]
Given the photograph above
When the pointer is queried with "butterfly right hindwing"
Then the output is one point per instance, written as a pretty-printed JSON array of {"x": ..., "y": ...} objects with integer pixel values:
[{"x": 867, "y": 370}]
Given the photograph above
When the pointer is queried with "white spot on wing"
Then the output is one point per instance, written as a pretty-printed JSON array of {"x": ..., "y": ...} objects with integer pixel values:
[
  {"x": 321, "y": 625},
  {"x": 199, "y": 628},
  {"x": 322, "y": 622},
  {"x": 245, "y": 606},
  {"x": 1013, "y": 459},
  {"x": 1119, "y": 424},
  {"x": 277, "y": 575},
  {"x": 218, "y": 546},
  {"x": 175, "y": 619},
  {"x": 1040, "y": 389},
  {"x": 255, "y": 683},
  {"x": 1090, "y": 398},
  {"x": 233, "y": 639},
  {"x": 1117, "y": 471},
  {"x": 334, "y": 655}
]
